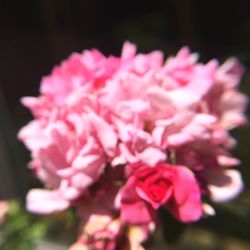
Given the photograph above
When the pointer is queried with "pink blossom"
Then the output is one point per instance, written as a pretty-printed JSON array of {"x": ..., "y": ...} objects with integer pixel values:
[
  {"x": 149, "y": 188},
  {"x": 134, "y": 133},
  {"x": 100, "y": 232}
]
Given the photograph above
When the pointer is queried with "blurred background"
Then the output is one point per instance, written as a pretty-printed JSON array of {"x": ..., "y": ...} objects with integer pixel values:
[{"x": 35, "y": 35}]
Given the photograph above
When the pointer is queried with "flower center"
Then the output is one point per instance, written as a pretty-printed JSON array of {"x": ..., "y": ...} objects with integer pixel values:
[{"x": 157, "y": 190}]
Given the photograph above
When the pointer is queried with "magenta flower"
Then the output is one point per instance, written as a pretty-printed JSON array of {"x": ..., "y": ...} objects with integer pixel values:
[{"x": 171, "y": 186}]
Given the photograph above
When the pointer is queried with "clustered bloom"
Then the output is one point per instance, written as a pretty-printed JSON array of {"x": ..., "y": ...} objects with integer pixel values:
[{"x": 121, "y": 137}]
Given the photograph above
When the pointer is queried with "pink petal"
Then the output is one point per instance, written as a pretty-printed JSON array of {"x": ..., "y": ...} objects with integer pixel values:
[
  {"x": 151, "y": 156},
  {"x": 45, "y": 202},
  {"x": 136, "y": 213},
  {"x": 226, "y": 185},
  {"x": 187, "y": 194},
  {"x": 105, "y": 133},
  {"x": 128, "y": 50},
  {"x": 33, "y": 136}
]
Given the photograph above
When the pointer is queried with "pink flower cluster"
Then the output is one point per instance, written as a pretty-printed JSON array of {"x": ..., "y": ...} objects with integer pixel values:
[{"x": 121, "y": 137}]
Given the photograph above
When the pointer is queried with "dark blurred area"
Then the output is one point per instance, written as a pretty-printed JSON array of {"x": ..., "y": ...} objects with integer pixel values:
[{"x": 35, "y": 35}]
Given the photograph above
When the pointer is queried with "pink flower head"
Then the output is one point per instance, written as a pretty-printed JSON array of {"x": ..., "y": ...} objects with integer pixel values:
[
  {"x": 100, "y": 232},
  {"x": 148, "y": 188},
  {"x": 133, "y": 133}
]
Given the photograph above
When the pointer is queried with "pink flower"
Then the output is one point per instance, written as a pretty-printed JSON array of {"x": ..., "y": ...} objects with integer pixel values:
[
  {"x": 100, "y": 232},
  {"x": 104, "y": 232},
  {"x": 133, "y": 133},
  {"x": 148, "y": 188}
]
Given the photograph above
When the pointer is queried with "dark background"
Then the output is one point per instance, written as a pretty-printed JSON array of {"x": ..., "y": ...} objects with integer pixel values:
[{"x": 37, "y": 34}]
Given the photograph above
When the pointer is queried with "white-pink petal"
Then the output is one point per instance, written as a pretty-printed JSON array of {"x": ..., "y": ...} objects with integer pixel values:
[
  {"x": 226, "y": 185},
  {"x": 45, "y": 201},
  {"x": 105, "y": 134}
]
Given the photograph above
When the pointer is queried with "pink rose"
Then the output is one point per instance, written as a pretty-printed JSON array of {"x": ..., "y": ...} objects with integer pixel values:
[
  {"x": 154, "y": 185},
  {"x": 148, "y": 188}
]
